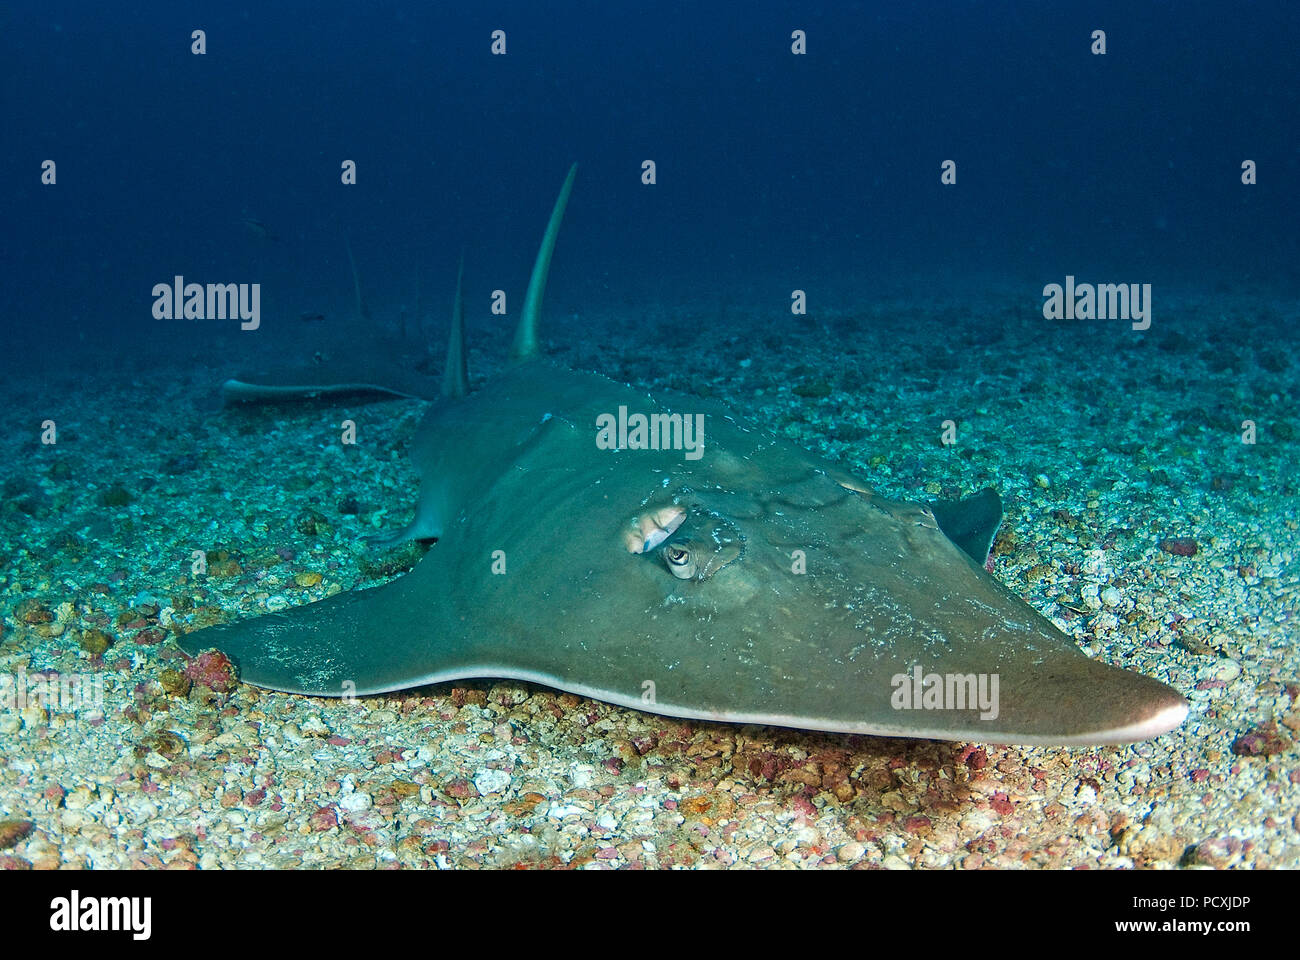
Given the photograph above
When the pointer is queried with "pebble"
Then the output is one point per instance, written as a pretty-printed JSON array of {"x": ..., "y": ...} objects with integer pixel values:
[
  {"x": 79, "y": 799},
  {"x": 491, "y": 781},
  {"x": 11, "y": 831},
  {"x": 1263, "y": 740},
  {"x": 1227, "y": 670},
  {"x": 314, "y": 726},
  {"x": 175, "y": 683},
  {"x": 95, "y": 642},
  {"x": 559, "y": 811},
  {"x": 356, "y": 801},
  {"x": 807, "y": 835},
  {"x": 1179, "y": 546},
  {"x": 850, "y": 852}
]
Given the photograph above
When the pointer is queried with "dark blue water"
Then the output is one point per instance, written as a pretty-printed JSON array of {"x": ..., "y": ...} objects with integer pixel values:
[{"x": 774, "y": 171}]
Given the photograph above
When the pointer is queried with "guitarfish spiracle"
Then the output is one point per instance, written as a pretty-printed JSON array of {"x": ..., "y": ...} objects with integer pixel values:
[{"x": 651, "y": 529}]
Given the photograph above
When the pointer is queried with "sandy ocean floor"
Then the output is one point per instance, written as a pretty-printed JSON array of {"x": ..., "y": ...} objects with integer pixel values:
[{"x": 1118, "y": 454}]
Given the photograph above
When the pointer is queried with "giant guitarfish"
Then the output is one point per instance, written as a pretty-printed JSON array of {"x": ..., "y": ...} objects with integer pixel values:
[{"x": 724, "y": 576}]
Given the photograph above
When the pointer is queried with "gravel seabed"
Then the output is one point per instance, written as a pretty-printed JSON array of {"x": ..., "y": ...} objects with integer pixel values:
[{"x": 1106, "y": 443}]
